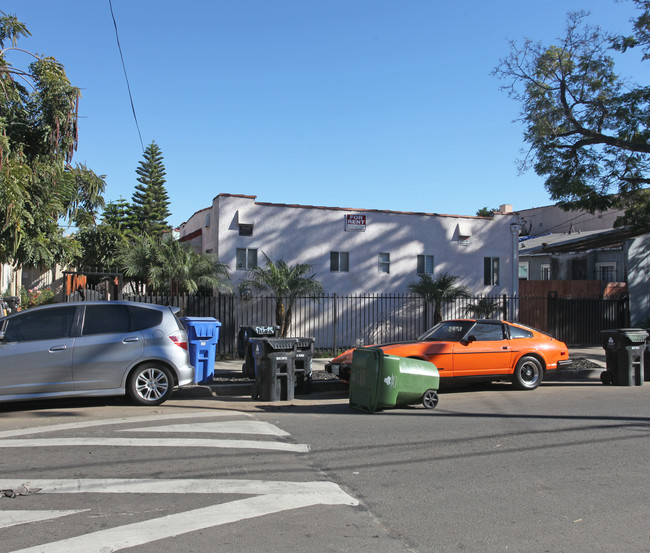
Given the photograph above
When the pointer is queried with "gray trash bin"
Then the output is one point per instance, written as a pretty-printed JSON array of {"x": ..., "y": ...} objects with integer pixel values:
[
  {"x": 274, "y": 368},
  {"x": 624, "y": 352},
  {"x": 303, "y": 364}
]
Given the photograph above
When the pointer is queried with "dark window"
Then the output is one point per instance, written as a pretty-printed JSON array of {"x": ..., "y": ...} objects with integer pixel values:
[
  {"x": 142, "y": 318},
  {"x": 487, "y": 332},
  {"x": 245, "y": 229},
  {"x": 339, "y": 262},
  {"x": 48, "y": 324},
  {"x": 516, "y": 332},
  {"x": 491, "y": 271},
  {"x": 110, "y": 319},
  {"x": 425, "y": 264},
  {"x": 105, "y": 319}
]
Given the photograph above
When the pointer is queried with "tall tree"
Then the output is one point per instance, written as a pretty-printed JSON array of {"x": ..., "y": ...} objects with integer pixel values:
[
  {"x": 116, "y": 214},
  {"x": 439, "y": 291},
  {"x": 38, "y": 136},
  {"x": 588, "y": 128},
  {"x": 287, "y": 283},
  {"x": 150, "y": 203}
]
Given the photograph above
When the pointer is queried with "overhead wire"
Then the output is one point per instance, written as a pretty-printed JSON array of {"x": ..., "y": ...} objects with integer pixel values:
[{"x": 126, "y": 77}]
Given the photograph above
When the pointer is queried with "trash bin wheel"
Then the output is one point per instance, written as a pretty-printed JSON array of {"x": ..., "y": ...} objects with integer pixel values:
[
  {"x": 430, "y": 399},
  {"x": 607, "y": 378},
  {"x": 528, "y": 373},
  {"x": 150, "y": 384}
]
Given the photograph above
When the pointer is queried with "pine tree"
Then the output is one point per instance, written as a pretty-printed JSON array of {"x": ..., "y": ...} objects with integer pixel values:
[{"x": 150, "y": 203}]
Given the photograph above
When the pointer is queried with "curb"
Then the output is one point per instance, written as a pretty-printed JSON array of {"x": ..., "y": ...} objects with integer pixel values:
[{"x": 234, "y": 389}]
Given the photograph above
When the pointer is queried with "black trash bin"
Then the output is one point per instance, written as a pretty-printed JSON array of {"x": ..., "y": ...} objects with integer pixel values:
[
  {"x": 624, "y": 353},
  {"x": 244, "y": 337},
  {"x": 303, "y": 364},
  {"x": 274, "y": 368},
  {"x": 12, "y": 303}
]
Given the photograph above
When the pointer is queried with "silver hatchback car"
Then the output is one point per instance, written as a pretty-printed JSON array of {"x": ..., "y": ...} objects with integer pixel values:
[{"x": 93, "y": 349}]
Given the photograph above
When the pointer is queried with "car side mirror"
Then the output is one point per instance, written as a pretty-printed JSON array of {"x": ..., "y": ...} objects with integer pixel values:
[{"x": 468, "y": 340}]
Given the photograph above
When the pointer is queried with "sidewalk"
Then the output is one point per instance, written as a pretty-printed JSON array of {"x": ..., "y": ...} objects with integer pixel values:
[{"x": 228, "y": 379}]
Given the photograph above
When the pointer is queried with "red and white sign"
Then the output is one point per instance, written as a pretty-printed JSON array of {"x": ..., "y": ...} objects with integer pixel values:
[{"x": 355, "y": 222}]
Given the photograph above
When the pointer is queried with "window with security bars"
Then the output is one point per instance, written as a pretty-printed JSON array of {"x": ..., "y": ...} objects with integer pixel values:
[
  {"x": 545, "y": 272},
  {"x": 339, "y": 262},
  {"x": 425, "y": 265},
  {"x": 491, "y": 271},
  {"x": 606, "y": 272},
  {"x": 246, "y": 259}
]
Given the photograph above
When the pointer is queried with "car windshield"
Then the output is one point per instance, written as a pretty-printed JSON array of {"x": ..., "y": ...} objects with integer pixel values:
[{"x": 448, "y": 331}]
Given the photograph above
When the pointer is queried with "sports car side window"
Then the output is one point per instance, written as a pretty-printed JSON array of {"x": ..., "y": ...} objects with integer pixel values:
[
  {"x": 487, "y": 332},
  {"x": 516, "y": 332}
]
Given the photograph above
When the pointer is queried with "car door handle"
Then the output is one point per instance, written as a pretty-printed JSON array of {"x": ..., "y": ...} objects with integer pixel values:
[
  {"x": 58, "y": 348},
  {"x": 505, "y": 347},
  {"x": 130, "y": 339}
]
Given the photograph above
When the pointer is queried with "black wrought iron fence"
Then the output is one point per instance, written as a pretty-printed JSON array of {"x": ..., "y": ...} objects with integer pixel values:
[{"x": 338, "y": 322}]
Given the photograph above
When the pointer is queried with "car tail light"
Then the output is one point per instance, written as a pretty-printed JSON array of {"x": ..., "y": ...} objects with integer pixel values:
[{"x": 179, "y": 339}]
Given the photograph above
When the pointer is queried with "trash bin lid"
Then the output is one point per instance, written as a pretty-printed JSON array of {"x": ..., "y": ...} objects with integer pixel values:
[
  {"x": 631, "y": 335},
  {"x": 203, "y": 327}
]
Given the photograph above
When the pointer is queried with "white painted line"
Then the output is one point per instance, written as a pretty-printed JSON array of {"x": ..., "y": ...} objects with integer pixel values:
[
  {"x": 271, "y": 497},
  {"x": 230, "y": 427},
  {"x": 12, "y": 518},
  {"x": 147, "y": 418},
  {"x": 328, "y": 492},
  {"x": 132, "y": 535},
  {"x": 145, "y": 442}
]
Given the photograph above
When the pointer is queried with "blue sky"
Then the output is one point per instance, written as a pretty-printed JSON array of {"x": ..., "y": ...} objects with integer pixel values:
[{"x": 376, "y": 104}]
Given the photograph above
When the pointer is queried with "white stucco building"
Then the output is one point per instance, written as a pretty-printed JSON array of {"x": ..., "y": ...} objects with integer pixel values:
[{"x": 354, "y": 251}]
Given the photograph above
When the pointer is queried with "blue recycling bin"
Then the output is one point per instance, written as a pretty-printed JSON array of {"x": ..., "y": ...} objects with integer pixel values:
[{"x": 202, "y": 338}]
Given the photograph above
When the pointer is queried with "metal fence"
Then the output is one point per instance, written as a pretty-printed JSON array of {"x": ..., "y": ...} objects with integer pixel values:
[{"x": 338, "y": 322}]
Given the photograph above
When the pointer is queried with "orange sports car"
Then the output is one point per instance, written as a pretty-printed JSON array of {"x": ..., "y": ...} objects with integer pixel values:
[{"x": 469, "y": 349}]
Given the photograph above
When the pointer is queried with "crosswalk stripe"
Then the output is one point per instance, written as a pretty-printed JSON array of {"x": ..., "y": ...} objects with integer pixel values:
[
  {"x": 191, "y": 415},
  {"x": 13, "y": 518},
  {"x": 230, "y": 427}
]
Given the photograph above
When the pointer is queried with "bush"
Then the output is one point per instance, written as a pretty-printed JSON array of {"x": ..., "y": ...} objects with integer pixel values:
[{"x": 33, "y": 297}]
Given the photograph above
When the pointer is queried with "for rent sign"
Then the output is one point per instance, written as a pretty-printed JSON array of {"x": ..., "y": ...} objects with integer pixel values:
[{"x": 355, "y": 222}]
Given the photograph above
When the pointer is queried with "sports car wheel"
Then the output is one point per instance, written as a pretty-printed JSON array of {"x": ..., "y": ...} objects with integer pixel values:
[
  {"x": 528, "y": 373},
  {"x": 430, "y": 399},
  {"x": 150, "y": 384}
]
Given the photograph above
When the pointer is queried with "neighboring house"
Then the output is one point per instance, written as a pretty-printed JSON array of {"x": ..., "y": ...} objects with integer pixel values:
[
  {"x": 553, "y": 219},
  {"x": 585, "y": 256},
  {"x": 358, "y": 251}
]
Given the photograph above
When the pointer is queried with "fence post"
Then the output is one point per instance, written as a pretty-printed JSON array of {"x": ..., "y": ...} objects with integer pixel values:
[
  {"x": 335, "y": 323},
  {"x": 505, "y": 307}
]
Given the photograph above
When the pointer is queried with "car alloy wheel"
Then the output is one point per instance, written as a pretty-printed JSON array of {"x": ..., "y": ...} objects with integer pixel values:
[{"x": 150, "y": 384}]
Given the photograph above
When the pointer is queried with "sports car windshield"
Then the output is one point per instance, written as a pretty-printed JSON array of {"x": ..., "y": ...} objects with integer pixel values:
[{"x": 448, "y": 331}]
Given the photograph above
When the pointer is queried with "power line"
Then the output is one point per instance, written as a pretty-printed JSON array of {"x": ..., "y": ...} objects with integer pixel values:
[{"x": 128, "y": 86}]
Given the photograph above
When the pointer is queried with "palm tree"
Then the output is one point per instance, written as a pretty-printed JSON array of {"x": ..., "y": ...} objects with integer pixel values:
[
  {"x": 178, "y": 268},
  {"x": 484, "y": 308},
  {"x": 134, "y": 258},
  {"x": 286, "y": 283},
  {"x": 439, "y": 290}
]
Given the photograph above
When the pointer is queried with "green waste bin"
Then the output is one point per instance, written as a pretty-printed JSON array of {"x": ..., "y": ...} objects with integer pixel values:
[
  {"x": 379, "y": 381},
  {"x": 624, "y": 353}
]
